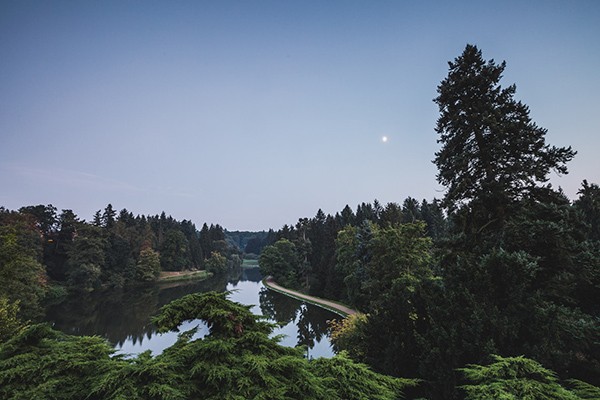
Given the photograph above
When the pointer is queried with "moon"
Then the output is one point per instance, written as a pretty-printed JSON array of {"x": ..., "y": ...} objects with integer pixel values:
[{"x": 384, "y": 139}]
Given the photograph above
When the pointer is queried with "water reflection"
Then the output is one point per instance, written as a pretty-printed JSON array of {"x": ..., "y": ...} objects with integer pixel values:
[
  {"x": 310, "y": 321},
  {"x": 123, "y": 317}
]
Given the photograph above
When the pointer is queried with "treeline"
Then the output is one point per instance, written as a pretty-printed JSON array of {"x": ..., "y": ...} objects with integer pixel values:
[
  {"x": 251, "y": 243},
  {"x": 439, "y": 297},
  {"x": 503, "y": 265},
  {"x": 41, "y": 250},
  {"x": 304, "y": 254}
]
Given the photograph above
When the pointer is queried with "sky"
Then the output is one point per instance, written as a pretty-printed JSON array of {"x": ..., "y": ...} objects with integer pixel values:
[{"x": 252, "y": 114}]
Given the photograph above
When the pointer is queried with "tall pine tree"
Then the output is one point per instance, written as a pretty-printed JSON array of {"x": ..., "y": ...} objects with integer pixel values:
[{"x": 491, "y": 149}]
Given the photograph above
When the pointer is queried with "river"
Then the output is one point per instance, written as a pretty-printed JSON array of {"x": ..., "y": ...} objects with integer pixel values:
[{"x": 123, "y": 316}]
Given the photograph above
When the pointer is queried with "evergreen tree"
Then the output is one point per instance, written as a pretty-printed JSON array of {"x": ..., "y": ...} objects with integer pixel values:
[
  {"x": 518, "y": 378},
  {"x": 206, "y": 241},
  {"x": 281, "y": 261},
  {"x": 108, "y": 217},
  {"x": 86, "y": 259},
  {"x": 175, "y": 252},
  {"x": 22, "y": 277},
  {"x": 411, "y": 211},
  {"x": 45, "y": 217},
  {"x": 391, "y": 214},
  {"x": 97, "y": 221},
  {"x": 491, "y": 150},
  {"x": 239, "y": 358},
  {"x": 589, "y": 204},
  {"x": 347, "y": 216},
  {"x": 63, "y": 240}
]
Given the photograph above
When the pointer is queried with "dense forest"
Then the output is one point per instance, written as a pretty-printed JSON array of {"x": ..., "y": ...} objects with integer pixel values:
[
  {"x": 490, "y": 292},
  {"x": 502, "y": 265},
  {"x": 44, "y": 254}
]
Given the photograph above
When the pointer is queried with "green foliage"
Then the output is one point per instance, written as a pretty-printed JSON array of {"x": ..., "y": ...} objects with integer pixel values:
[
  {"x": 518, "y": 378},
  {"x": 281, "y": 261},
  {"x": 237, "y": 359},
  {"x": 216, "y": 263},
  {"x": 349, "y": 265},
  {"x": 109, "y": 252},
  {"x": 386, "y": 270},
  {"x": 55, "y": 293},
  {"x": 45, "y": 216},
  {"x": 491, "y": 150},
  {"x": 513, "y": 268},
  {"x": 86, "y": 259},
  {"x": 119, "y": 263},
  {"x": 583, "y": 389},
  {"x": 10, "y": 324},
  {"x": 22, "y": 277},
  {"x": 143, "y": 378},
  {"x": 148, "y": 266},
  {"x": 40, "y": 363},
  {"x": 174, "y": 253},
  {"x": 349, "y": 334},
  {"x": 589, "y": 204},
  {"x": 355, "y": 381},
  {"x": 222, "y": 316},
  {"x": 399, "y": 252},
  {"x": 515, "y": 271},
  {"x": 373, "y": 259},
  {"x": 58, "y": 243}
]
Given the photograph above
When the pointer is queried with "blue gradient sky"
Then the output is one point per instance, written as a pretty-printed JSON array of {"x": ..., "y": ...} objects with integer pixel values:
[{"x": 252, "y": 114}]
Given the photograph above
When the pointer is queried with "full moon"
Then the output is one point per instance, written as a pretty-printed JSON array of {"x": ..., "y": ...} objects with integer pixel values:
[{"x": 384, "y": 139}]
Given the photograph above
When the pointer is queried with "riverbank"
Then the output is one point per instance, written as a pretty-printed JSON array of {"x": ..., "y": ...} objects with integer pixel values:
[
  {"x": 332, "y": 306},
  {"x": 174, "y": 276}
]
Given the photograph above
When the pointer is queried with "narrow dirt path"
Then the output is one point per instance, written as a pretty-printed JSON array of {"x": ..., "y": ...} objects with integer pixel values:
[{"x": 328, "y": 304}]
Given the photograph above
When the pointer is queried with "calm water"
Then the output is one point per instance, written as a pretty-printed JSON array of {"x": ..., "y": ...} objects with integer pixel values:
[{"x": 123, "y": 317}]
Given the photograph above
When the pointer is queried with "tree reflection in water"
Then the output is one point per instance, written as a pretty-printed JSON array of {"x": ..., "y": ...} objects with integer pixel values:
[
  {"x": 310, "y": 320},
  {"x": 123, "y": 316},
  {"x": 278, "y": 307}
]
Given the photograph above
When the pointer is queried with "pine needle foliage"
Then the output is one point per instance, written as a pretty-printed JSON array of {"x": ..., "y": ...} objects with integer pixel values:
[
  {"x": 41, "y": 363},
  {"x": 583, "y": 389},
  {"x": 237, "y": 360},
  {"x": 491, "y": 149},
  {"x": 519, "y": 378},
  {"x": 9, "y": 321},
  {"x": 355, "y": 381}
]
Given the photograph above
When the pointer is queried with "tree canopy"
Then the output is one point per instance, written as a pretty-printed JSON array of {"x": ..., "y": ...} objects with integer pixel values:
[{"x": 491, "y": 149}]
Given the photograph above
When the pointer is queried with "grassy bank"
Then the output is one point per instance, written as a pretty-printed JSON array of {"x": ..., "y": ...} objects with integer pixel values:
[
  {"x": 173, "y": 276},
  {"x": 247, "y": 262}
]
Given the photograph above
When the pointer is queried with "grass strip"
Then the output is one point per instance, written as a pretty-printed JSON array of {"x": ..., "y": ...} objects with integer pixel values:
[{"x": 193, "y": 275}]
